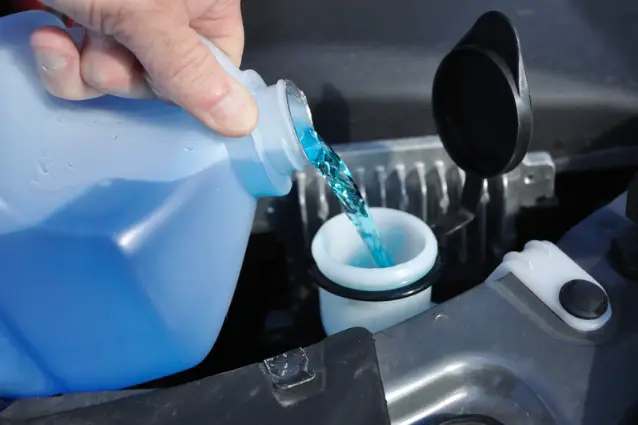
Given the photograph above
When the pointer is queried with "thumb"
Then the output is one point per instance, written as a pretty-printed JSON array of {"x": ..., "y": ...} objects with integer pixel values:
[{"x": 184, "y": 70}]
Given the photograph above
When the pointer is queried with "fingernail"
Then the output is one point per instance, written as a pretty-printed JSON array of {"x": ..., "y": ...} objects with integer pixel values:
[
  {"x": 49, "y": 61},
  {"x": 236, "y": 113}
]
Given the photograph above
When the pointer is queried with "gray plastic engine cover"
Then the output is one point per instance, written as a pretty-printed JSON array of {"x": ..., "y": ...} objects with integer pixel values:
[{"x": 498, "y": 350}]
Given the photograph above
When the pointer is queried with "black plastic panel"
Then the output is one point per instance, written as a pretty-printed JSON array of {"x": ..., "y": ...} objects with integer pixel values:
[
  {"x": 346, "y": 390},
  {"x": 367, "y": 65}
]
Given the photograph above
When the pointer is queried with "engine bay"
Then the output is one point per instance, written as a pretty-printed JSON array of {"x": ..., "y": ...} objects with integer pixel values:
[{"x": 492, "y": 350}]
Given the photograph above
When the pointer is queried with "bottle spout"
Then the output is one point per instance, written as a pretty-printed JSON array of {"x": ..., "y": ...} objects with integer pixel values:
[
  {"x": 298, "y": 108},
  {"x": 268, "y": 158},
  {"x": 301, "y": 119}
]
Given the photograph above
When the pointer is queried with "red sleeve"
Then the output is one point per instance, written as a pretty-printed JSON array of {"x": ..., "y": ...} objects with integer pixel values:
[{"x": 22, "y": 5}]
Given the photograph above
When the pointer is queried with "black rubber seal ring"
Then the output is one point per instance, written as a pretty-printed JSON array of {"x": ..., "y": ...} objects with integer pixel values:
[
  {"x": 379, "y": 296},
  {"x": 470, "y": 420}
]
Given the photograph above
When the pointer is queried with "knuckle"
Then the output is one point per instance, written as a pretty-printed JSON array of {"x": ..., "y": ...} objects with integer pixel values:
[
  {"x": 185, "y": 69},
  {"x": 125, "y": 18},
  {"x": 191, "y": 75},
  {"x": 118, "y": 20},
  {"x": 99, "y": 15}
]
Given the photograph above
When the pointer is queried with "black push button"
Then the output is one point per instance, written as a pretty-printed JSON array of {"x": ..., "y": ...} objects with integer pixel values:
[{"x": 583, "y": 299}]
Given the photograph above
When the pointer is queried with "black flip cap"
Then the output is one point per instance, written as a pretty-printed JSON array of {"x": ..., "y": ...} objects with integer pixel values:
[{"x": 480, "y": 99}]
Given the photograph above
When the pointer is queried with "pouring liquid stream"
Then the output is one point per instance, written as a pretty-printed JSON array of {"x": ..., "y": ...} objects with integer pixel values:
[{"x": 340, "y": 180}]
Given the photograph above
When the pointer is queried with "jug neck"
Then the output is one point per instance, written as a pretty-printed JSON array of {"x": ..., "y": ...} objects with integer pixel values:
[{"x": 284, "y": 116}]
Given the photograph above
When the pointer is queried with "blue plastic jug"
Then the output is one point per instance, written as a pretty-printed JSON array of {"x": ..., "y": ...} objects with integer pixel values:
[{"x": 123, "y": 225}]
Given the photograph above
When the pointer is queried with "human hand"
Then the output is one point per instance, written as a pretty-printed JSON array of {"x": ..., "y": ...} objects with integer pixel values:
[{"x": 162, "y": 37}]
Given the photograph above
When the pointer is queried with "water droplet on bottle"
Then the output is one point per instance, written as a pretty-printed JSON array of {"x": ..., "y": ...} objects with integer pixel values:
[
  {"x": 70, "y": 165},
  {"x": 44, "y": 167},
  {"x": 59, "y": 120},
  {"x": 189, "y": 149},
  {"x": 115, "y": 137}
]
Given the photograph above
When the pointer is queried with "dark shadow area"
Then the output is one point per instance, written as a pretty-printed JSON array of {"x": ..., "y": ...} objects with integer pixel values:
[
  {"x": 625, "y": 134},
  {"x": 616, "y": 24},
  {"x": 578, "y": 194},
  {"x": 331, "y": 115},
  {"x": 382, "y": 58},
  {"x": 631, "y": 415}
]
